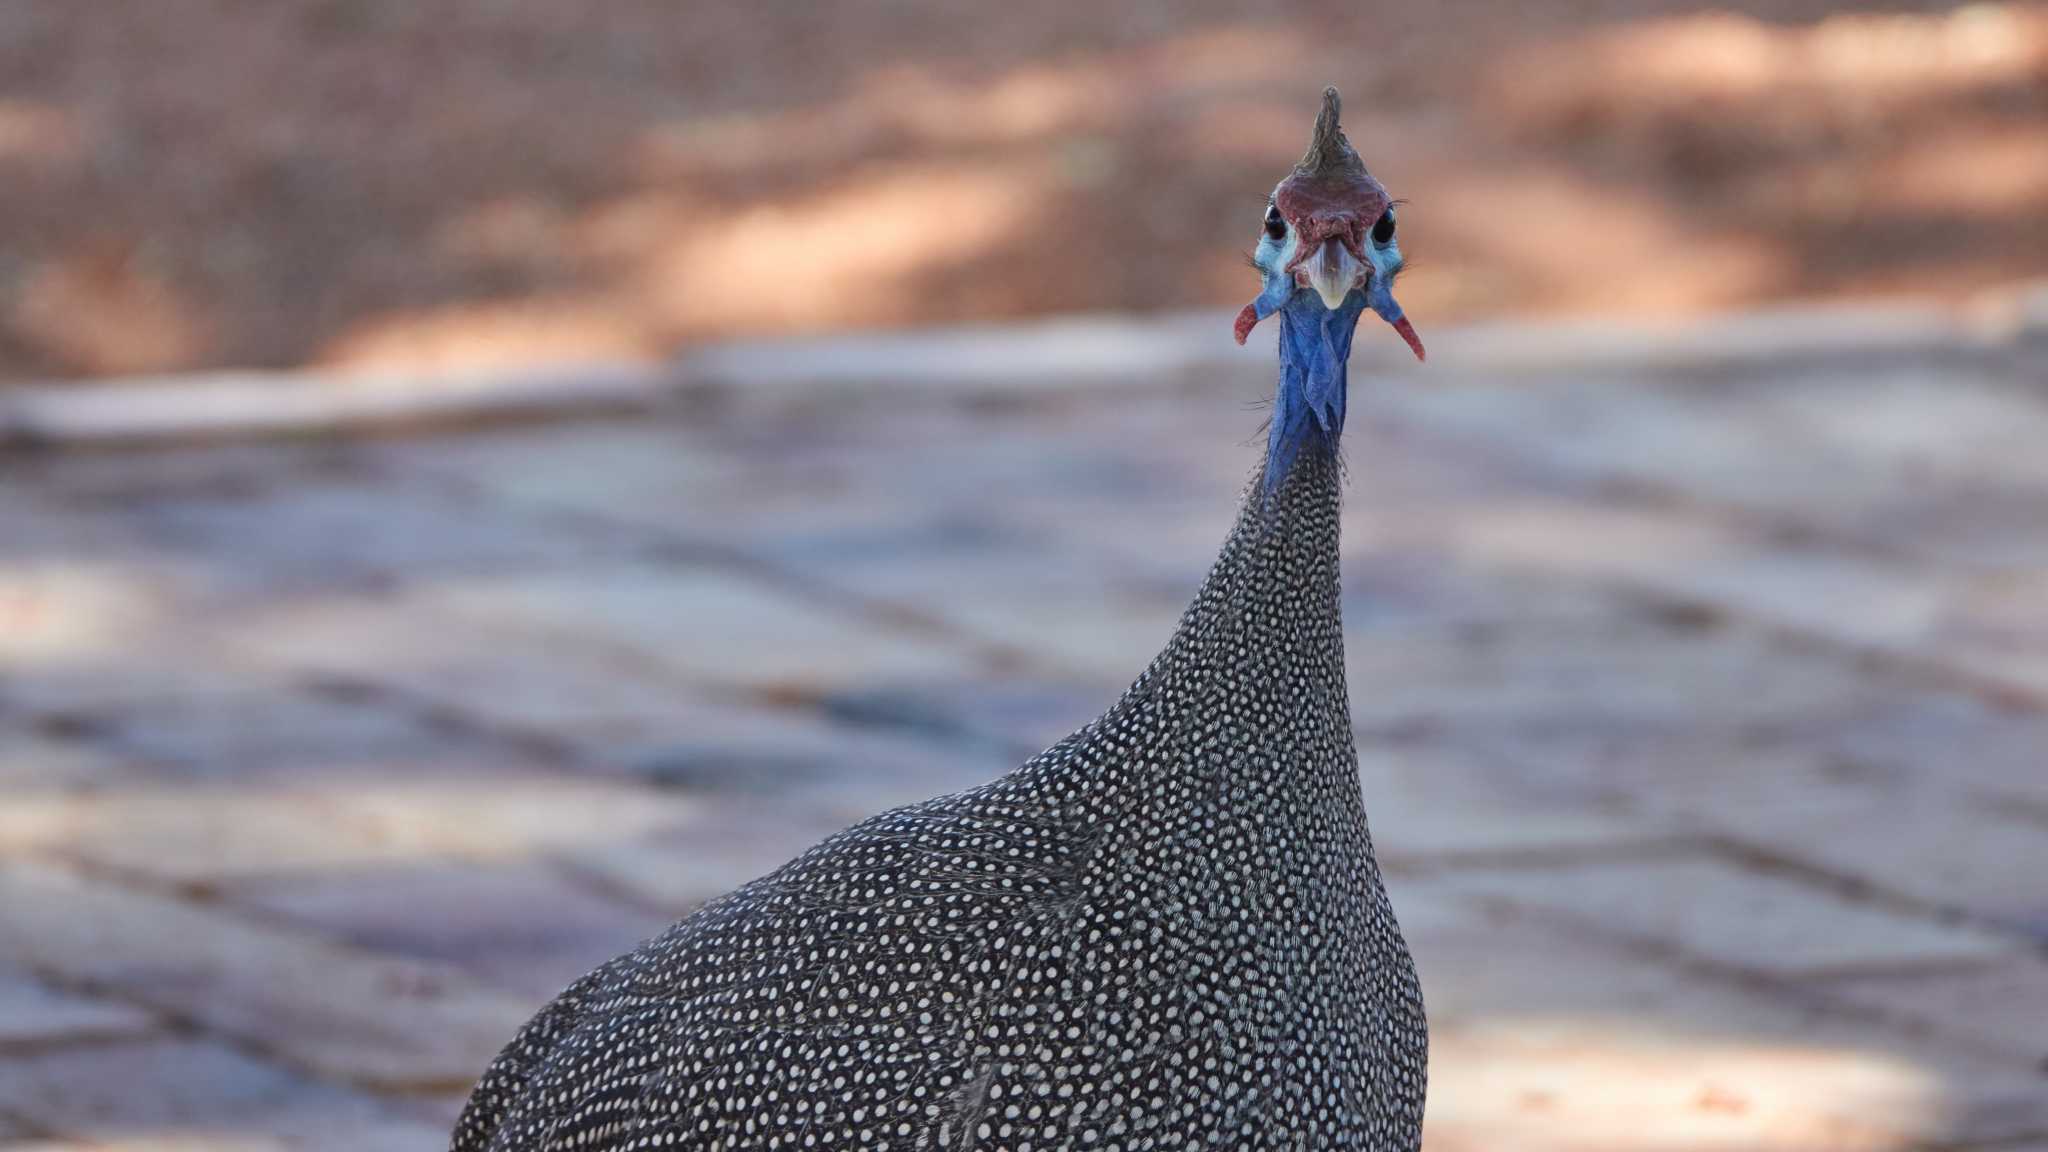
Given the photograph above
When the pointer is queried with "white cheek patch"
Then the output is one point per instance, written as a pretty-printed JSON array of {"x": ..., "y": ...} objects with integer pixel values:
[
  {"x": 1385, "y": 261},
  {"x": 1275, "y": 254}
]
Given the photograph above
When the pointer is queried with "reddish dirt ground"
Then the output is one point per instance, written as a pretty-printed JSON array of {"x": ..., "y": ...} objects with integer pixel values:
[{"x": 198, "y": 183}]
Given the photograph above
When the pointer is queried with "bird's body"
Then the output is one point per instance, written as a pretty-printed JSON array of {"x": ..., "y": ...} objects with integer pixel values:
[{"x": 1166, "y": 931}]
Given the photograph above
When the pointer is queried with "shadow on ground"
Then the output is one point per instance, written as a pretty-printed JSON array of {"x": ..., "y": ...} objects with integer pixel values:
[{"x": 201, "y": 184}]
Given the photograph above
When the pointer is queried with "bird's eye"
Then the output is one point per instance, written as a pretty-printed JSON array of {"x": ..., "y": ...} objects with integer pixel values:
[
  {"x": 1383, "y": 229},
  {"x": 1275, "y": 226}
]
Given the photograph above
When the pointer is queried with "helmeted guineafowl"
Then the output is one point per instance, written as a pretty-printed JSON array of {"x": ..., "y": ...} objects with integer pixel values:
[{"x": 1166, "y": 931}]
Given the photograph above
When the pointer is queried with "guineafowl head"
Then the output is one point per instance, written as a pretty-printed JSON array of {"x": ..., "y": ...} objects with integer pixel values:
[{"x": 1327, "y": 251}]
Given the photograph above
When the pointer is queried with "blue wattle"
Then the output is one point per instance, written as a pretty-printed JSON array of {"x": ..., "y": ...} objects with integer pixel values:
[{"x": 1308, "y": 408}]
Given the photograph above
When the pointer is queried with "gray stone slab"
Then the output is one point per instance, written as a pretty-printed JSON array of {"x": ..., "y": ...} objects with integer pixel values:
[
  {"x": 843, "y": 771},
  {"x": 230, "y": 724},
  {"x": 709, "y": 625},
  {"x": 1853, "y": 451},
  {"x": 1431, "y": 808},
  {"x": 1986, "y": 860},
  {"x": 376, "y": 815},
  {"x": 1668, "y": 776},
  {"x": 1998, "y": 1006},
  {"x": 1922, "y": 797},
  {"x": 1948, "y": 428},
  {"x": 186, "y": 1094},
  {"x": 1614, "y": 676},
  {"x": 506, "y": 678},
  {"x": 253, "y": 404},
  {"x": 1908, "y": 538},
  {"x": 653, "y": 475},
  {"x": 1994, "y": 629},
  {"x": 1719, "y": 912},
  {"x": 33, "y": 1012},
  {"x": 362, "y": 530},
  {"x": 1095, "y": 637},
  {"x": 1843, "y": 597},
  {"x": 1396, "y": 592},
  {"x": 1948, "y": 739},
  {"x": 681, "y": 870},
  {"x": 340, "y": 1011},
  {"x": 109, "y": 481},
  {"x": 516, "y": 923},
  {"x": 79, "y": 612},
  {"x": 1681, "y": 439},
  {"x": 1079, "y": 616},
  {"x": 32, "y": 761}
]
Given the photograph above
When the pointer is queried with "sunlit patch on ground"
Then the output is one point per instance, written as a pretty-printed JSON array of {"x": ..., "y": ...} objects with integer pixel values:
[
  {"x": 57, "y": 612},
  {"x": 1558, "y": 1085}
]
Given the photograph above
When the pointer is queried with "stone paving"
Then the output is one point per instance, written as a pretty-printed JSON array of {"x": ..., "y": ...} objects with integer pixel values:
[{"x": 1702, "y": 705}]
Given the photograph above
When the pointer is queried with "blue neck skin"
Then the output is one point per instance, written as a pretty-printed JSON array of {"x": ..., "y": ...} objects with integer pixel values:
[
  {"x": 1308, "y": 408},
  {"x": 1315, "y": 352}
]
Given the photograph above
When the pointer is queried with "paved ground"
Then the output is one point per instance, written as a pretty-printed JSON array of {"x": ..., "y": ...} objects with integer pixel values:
[{"x": 1702, "y": 703}]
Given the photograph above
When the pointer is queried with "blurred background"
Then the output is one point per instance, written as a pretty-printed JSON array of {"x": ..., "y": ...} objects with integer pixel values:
[
  {"x": 206, "y": 183},
  {"x": 479, "y": 478}
]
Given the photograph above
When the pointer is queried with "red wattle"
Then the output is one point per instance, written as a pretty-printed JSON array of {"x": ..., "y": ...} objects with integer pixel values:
[
  {"x": 1407, "y": 332},
  {"x": 1245, "y": 322}
]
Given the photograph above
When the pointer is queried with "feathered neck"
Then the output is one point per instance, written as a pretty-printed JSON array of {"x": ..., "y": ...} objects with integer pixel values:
[
  {"x": 1251, "y": 684},
  {"x": 1268, "y": 613}
]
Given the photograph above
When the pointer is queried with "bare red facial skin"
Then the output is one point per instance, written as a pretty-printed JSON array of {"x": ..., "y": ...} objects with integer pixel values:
[
  {"x": 1338, "y": 206},
  {"x": 1247, "y": 319}
]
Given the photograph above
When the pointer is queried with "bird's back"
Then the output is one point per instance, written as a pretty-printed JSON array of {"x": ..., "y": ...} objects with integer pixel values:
[{"x": 836, "y": 999}]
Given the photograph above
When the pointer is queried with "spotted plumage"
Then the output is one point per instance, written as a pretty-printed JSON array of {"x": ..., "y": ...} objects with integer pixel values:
[{"x": 1167, "y": 931}]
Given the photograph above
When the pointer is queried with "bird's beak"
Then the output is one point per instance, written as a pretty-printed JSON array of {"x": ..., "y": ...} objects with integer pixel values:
[{"x": 1333, "y": 273}]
